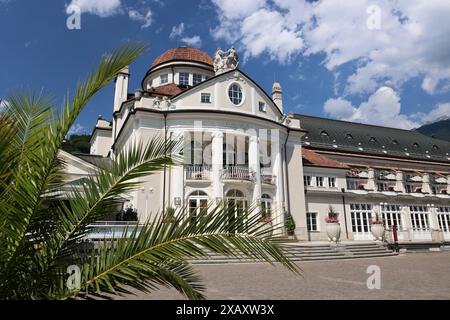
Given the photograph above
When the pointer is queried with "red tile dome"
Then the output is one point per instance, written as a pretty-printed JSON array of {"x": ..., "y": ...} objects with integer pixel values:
[{"x": 183, "y": 53}]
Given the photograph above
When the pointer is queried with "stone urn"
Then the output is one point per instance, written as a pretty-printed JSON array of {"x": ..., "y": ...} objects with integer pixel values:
[
  {"x": 378, "y": 231},
  {"x": 333, "y": 231}
]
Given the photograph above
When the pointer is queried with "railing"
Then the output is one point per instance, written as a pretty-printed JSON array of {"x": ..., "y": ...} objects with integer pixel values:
[
  {"x": 111, "y": 229},
  {"x": 268, "y": 178},
  {"x": 385, "y": 186},
  {"x": 199, "y": 172},
  {"x": 413, "y": 187},
  {"x": 237, "y": 173},
  {"x": 356, "y": 184}
]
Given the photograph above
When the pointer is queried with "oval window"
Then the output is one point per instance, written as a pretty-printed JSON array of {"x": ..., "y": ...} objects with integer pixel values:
[{"x": 235, "y": 94}]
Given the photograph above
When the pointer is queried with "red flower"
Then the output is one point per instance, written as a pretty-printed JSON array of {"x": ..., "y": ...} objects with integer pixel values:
[{"x": 332, "y": 220}]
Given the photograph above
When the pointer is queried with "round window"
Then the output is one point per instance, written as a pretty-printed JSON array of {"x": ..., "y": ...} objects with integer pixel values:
[{"x": 235, "y": 94}]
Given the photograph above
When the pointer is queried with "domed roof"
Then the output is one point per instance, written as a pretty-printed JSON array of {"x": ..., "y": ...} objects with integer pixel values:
[{"x": 183, "y": 53}]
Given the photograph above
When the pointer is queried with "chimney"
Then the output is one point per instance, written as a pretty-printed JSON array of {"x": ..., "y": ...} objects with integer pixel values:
[
  {"x": 277, "y": 95},
  {"x": 121, "y": 88}
]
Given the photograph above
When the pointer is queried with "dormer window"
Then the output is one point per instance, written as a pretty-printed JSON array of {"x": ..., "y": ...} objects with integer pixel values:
[
  {"x": 184, "y": 79},
  {"x": 394, "y": 142},
  {"x": 372, "y": 139},
  {"x": 349, "y": 136},
  {"x": 196, "y": 79},
  {"x": 323, "y": 133},
  {"x": 164, "y": 78},
  {"x": 415, "y": 145},
  {"x": 435, "y": 147}
]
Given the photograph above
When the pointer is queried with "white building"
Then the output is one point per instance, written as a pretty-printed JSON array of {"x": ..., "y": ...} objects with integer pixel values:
[{"x": 241, "y": 149}]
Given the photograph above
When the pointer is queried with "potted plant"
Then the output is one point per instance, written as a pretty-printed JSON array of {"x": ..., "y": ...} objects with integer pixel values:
[
  {"x": 377, "y": 227},
  {"x": 333, "y": 226},
  {"x": 169, "y": 215},
  {"x": 289, "y": 224}
]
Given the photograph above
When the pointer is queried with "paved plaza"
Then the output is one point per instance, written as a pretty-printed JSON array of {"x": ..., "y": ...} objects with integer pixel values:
[{"x": 408, "y": 276}]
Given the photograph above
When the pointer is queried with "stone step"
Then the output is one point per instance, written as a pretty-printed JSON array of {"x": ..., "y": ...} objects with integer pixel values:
[{"x": 297, "y": 258}]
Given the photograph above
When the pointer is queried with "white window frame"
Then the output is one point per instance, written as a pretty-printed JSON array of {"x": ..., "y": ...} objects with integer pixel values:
[
  {"x": 194, "y": 75},
  {"x": 392, "y": 214},
  {"x": 242, "y": 94},
  {"x": 309, "y": 220},
  {"x": 320, "y": 178},
  {"x": 443, "y": 214},
  {"x": 179, "y": 78},
  {"x": 330, "y": 179},
  {"x": 305, "y": 180},
  {"x": 205, "y": 94},
  {"x": 199, "y": 199},
  {"x": 262, "y": 106},
  {"x": 164, "y": 76},
  {"x": 360, "y": 215}
]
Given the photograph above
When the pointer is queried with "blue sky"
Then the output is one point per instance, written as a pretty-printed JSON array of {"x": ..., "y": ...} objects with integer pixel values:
[{"x": 379, "y": 62}]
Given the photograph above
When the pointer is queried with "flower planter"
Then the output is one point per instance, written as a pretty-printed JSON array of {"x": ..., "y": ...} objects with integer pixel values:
[
  {"x": 378, "y": 231},
  {"x": 333, "y": 231}
]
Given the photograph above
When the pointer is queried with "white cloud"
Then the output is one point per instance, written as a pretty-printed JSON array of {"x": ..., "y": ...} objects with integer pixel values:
[
  {"x": 3, "y": 104},
  {"x": 177, "y": 31},
  {"x": 77, "y": 129},
  {"x": 101, "y": 8},
  {"x": 412, "y": 40},
  {"x": 194, "y": 41},
  {"x": 383, "y": 108},
  {"x": 339, "y": 108},
  {"x": 146, "y": 19},
  {"x": 441, "y": 112}
]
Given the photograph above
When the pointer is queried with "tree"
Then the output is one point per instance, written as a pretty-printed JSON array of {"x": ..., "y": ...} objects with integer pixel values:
[{"x": 41, "y": 234}]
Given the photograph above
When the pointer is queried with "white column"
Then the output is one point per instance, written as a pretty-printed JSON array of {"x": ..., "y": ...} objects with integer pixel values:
[
  {"x": 399, "y": 182},
  {"x": 426, "y": 186},
  {"x": 407, "y": 224},
  {"x": 448, "y": 184},
  {"x": 177, "y": 186},
  {"x": 253, "y": 159},
  {"x": 278, "y": 173},
  {"x": 371, "y": 183},
  {"x": 217, "y": 164}
]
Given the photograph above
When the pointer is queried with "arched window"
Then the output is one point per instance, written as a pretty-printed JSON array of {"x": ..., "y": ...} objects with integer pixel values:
[
  {"x": 236, "y": 202},
  {"x": 197, "y": 201},
  {"x": 266, "y": 206}
]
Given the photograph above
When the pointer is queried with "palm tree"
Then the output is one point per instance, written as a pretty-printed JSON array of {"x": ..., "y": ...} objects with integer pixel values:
[{"x": 41, "y": 233}]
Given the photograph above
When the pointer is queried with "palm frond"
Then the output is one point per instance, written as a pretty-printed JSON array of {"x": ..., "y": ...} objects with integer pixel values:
[{"x": 130, "y": 262}]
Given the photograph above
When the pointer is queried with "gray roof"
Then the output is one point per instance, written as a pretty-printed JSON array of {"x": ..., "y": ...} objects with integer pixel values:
[
  {"x": 98, "y": 161},
  {"x": 344, "y": 136}
]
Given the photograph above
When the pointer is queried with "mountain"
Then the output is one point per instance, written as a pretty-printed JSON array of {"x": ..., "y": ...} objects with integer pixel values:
[
  {"x": 77, "y": 143},
  {"x": 439, "y": 129}
]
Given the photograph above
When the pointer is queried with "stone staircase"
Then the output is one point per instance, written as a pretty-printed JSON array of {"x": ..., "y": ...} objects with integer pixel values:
[{"x": 298, "y": 252}]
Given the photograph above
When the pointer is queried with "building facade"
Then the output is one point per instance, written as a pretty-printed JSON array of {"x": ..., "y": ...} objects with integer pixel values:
[{"x": 240, "y": 148}]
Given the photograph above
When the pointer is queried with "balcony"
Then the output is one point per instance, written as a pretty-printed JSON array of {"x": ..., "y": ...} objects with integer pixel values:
[
  {"x": 238, "y": 173},
  {"x": 356, "y": 184},
  {"x": 198, "y": 173},
  {"x": 268, "y": 179}
]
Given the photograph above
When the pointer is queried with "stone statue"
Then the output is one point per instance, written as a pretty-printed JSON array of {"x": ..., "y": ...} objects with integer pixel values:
[{"x": 225, "y": 60}]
